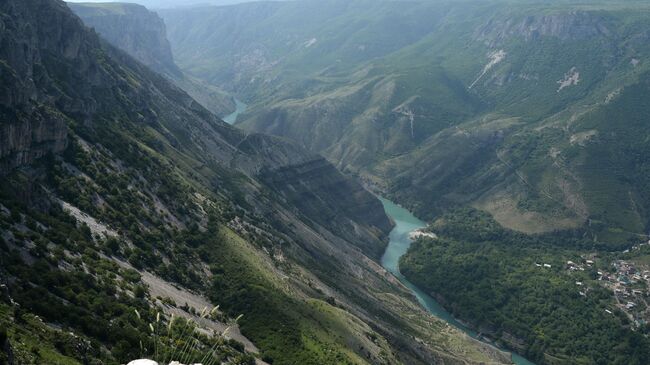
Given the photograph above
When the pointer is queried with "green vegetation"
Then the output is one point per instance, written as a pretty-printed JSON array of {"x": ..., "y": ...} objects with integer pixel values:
[
  {"x": 98, "y": 298},
  {"x": 285, "y": 328},
  {"x": 69, "y": 285},
  {"x": 535, "y": 113},
  {"x": 382, "y": 89},
  {"x": 122, "y": 199},
  {"x": 496, "y": 280}
]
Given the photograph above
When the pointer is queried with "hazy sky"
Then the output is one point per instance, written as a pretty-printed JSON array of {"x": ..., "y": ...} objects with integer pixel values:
[{"x": 165, "y": 3}]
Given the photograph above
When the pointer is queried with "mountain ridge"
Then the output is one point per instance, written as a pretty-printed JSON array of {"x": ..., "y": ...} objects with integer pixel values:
[{"x": 138, "y": 172}]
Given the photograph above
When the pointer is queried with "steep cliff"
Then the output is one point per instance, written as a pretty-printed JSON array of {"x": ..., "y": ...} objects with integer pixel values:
[
  {"x": 95, "y": 89},
  {"x": 134, "y": 29},
  {"x": 32, "y": 126},
  {"x": 142, "y": 34},
  {"x": 564, "y": 25}
]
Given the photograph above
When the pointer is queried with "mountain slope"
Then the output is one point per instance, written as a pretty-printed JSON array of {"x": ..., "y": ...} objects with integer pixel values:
[
  {"x": 124, "y": 202},
  {"x": 526, "y": 178},
  {"x": 492, "y": 77},
  {"x": 142, "y": 34}
]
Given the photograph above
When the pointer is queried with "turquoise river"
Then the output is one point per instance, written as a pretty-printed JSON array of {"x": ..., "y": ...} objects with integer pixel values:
[
  {"x": 399, "y": 243},
  {"x": 239, "y": 108}
]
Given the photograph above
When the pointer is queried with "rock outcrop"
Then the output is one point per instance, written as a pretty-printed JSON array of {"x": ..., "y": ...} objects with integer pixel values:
[
  {"x": 572, "y": 25},
  {"x": 139, "y": 32},
  {"x": 142, "y": 34},
  {"x": 332, "y": 200},
  {"x": 31, "y": 126}
]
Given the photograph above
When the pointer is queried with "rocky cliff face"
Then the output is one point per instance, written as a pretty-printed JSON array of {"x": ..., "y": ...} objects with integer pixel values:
[
  {"x": 309, "y": 182},
  {"x": 142, "y": 34},
  {"x": 22, "y": 142},
  {"x": 331, "y": 200},
  {"x": 29, "y": 94},
  {"x": 314, "y": 189},
  {"x": 568, "y": 25},
  {"x": 134, "y": 29}
]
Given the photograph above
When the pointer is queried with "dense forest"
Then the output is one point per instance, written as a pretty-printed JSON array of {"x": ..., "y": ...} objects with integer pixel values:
[{"x": 515, "y": 288}]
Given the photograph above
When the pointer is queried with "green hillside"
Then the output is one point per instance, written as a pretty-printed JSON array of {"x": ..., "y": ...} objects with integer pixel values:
[
  {"x": 135, "y": 223},
  {"x": 530, "y": 299},
  {"x": 382, "y": 104}
]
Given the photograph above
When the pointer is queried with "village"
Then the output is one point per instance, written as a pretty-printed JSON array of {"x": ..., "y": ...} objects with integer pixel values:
[{"x": 627, "y": 279}]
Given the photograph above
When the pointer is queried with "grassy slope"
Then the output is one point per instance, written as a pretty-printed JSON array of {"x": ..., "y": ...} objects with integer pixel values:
[
  {"x": 33, "y": 341},
  {"x": 519, "y": 169},
  {"x": 289, "y": 328}
]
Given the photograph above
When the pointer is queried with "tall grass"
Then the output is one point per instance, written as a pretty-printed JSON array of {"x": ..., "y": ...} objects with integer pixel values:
[{"x": 179, "y": 340}]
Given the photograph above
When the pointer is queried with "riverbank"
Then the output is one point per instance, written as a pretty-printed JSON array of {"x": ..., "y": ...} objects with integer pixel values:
[{"x": 399, "y": 243}]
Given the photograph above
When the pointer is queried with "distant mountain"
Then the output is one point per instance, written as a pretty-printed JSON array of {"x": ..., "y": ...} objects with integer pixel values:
[
  {"x": 142, "y": 34},
  {"x": 442, "y": 104},
  {"x": 160, "y": 4},
  {"x": 128, "y": 212}
]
